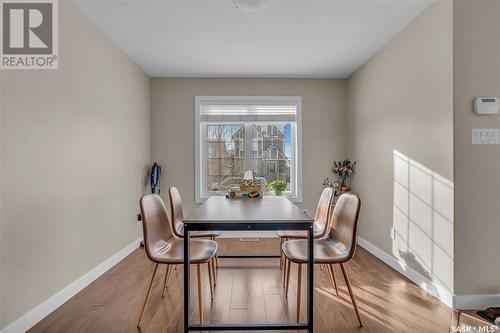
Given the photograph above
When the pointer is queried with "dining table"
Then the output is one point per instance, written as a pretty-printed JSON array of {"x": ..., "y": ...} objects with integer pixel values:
[{"x": 268, "y": 213}]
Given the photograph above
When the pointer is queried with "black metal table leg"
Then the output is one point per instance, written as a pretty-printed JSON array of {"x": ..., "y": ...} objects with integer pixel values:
[
  {"x": 186, "y": 277},
  {"x": 310, "y": 277}
]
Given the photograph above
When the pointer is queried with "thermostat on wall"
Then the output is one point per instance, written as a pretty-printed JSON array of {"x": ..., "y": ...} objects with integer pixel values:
[{"x": 486, "y": 105}]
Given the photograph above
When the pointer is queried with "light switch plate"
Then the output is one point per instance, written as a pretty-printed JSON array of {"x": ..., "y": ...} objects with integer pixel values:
[
  {"x": 392, "y": 233},
  {"x": 485, "y": 136}
]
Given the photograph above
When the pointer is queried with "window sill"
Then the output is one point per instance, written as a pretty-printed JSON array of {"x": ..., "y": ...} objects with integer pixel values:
[{"x": 292, "y": 198}]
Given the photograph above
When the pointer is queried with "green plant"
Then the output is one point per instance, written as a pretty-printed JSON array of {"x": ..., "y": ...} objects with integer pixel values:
[{"x": 278, "y": 186}]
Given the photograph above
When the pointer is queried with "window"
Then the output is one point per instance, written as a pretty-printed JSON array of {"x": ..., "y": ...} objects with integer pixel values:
[{"x": 234, "y": 134}]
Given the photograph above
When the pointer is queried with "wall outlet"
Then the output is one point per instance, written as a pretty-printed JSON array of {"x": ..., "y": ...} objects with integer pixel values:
[{"x": 392, "y": 232}]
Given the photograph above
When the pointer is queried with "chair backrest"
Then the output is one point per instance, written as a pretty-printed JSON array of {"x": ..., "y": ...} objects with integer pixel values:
[
  {"x": 176, "y": 211},
  {"x": 155, "y": 224},
  {"x": 345, "y": 218},
  {"x": 321, "y": 219}
]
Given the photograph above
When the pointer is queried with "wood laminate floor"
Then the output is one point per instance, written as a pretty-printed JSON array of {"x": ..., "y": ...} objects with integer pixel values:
[{"x": 250, "y": 291}]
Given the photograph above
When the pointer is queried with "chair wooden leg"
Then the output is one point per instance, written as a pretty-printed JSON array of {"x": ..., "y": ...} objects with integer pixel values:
[
  {"x": 334, "y": 279},
  {"x": 148, "y": 294},
  {"x": 216, "y": 266},
  {"x": 346, "y": 278},
  {"x": 330, "y": 275},
  {"x": 286, "y": 263},
  {"x": 214, "y": 272},
  {"x": 216, "y": 259},
  {"x": 209, "y": 265},
  {"x": 287, "y": 275},
  {"x": 168, "y": 270},
  {"x": 299, "y": 279},
  {"x": 200, "y": 294},
  {"x": 282, "y": 262},
  {"x": 281, "y": 254}
]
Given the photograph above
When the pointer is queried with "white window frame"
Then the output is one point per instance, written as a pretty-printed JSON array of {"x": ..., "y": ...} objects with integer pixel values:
[{"x": 201, "y": 193}]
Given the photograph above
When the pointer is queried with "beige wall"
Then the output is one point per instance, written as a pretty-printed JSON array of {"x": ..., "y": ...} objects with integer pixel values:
[
  {"x": 1, "y": 221},
  {"x": 75, "y": 143},
  {"x": 477, "y": 177},
  {"x": 400, "y": 122},
  {"x": 323, "y": 126}
]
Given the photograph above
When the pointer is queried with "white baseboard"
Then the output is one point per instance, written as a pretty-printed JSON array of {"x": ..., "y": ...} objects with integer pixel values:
[
  {"x": 435, "y": 289},
  {"x": 467, "y": 302},
  {"x": 28, "y": 320}
]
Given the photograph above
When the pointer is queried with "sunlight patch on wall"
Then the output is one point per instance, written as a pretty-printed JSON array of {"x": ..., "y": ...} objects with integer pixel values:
[{"x": 423, "y": 220}]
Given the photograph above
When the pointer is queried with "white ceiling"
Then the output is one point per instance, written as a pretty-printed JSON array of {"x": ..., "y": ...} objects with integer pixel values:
[{"x": 206, "y": 38}]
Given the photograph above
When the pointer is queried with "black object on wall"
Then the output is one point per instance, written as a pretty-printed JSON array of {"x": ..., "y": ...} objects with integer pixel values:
[
  {"x": 155, "y": 177},
  {"x": 155, "y": 185}
]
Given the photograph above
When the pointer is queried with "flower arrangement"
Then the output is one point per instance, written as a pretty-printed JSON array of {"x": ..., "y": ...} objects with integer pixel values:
[
  {"x": 277, "y": 186},
  {"x": 342, "y": 171}
]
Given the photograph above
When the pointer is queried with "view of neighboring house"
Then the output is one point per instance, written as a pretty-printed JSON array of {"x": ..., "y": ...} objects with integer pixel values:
[{"x": 226, "y": 153}]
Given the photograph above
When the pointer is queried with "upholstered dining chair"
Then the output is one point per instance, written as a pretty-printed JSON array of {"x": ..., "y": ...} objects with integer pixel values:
[
  {"x": 178, "y": 217},
  {"x": 337, "y": 247},
  {"x": 321, "y": 228},
  {"x": 163, "y": 247},
  {"x": 178, "y": 225}
]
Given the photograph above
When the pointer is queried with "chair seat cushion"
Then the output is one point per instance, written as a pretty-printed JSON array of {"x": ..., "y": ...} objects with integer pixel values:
[
  {"x": 318, "y": 227},
  {"x": 325, "y": 251},
  {"x": 172, "y": 252}
]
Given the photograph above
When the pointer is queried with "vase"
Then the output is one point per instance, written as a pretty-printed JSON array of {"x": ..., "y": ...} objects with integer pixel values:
[
  {"x": 278, "y": 193},
  {"x": 344, "y": 189}
]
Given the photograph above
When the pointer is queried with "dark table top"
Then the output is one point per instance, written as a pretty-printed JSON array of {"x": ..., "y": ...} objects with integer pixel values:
[{"x": 269, "y": 209}]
